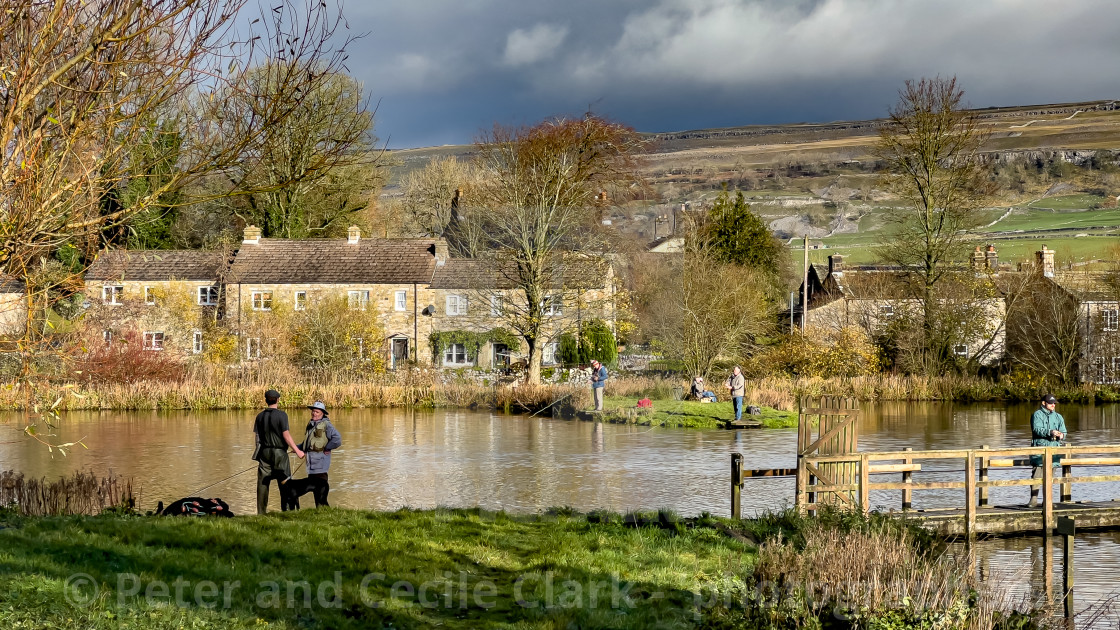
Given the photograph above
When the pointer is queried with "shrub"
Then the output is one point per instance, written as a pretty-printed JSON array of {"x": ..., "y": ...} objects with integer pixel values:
[
  {"x": 124, "y": 360},
  {"x": 825, "y": 354}
]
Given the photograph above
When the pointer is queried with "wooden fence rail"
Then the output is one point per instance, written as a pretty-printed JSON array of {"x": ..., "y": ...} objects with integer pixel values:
[{"x": 816, "y": 488}]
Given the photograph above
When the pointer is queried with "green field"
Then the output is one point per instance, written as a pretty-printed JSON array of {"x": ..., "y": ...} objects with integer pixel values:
[{"x": 1068, "y": 202}]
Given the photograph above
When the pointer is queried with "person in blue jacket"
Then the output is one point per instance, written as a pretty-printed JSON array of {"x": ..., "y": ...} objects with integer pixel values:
[
  {"x": 1048, "y": 428},
  {"x": 598, "y": 382},
  {"x": 321, "y": 439}
]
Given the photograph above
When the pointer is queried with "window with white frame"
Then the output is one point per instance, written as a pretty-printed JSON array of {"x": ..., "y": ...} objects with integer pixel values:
[
  {"x": 400, "y": 300},
  {"x": 112, "y": 294},
  {"x": 253, "y": 348},
  {"x": 207, "y": 296},
  {"x": 455, "y": 354},
  {"x": 548, "y": 357},
  {"x": 553, "y": 305},
  {"x": 150, "y": 296},
  {"x": 497, "y": 309},
  {"x": 357, "y": 300},
  {"x": 886, "y": 311},
  {"x": 262, "y": 300},
  {"x": 300, "y": 300},
  {"x": 196, "y": 342},
  {"x": 456, "y": 305},
  {"x": 1110, "y": 318},
  {"x": 153, "y": 340},
  {"x": 1115, "y": 367},
  {"x": 961, "y": 350},
  {"x": 107, "y": 335}
]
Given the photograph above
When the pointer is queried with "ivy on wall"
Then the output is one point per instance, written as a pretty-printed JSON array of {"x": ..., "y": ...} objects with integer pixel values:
[{"x": 472, "y": 341}]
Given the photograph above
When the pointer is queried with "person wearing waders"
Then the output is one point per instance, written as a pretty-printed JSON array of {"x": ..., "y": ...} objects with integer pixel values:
[
  {"x": 1048, "y": 428},
  {"x": 272, "y": 443},
  {"x": 322, "y": 438}
]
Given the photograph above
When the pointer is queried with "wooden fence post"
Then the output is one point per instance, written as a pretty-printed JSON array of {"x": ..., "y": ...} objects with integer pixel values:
[
  {"x": 1067, "y": 528},
  {"x": 907, "y": 493},
  {"x": 736, "y": 485},
  {"x": 1067, "y": 486},
  {"x": 970, "y": 496},
  {"x": 984, "y": 477},
  {"x": 1048, "y": 492},
  {"x": 864, "y": 483}
]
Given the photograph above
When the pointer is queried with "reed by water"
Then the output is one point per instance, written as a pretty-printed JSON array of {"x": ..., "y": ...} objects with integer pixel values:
[{"x": 435, "y": 390}]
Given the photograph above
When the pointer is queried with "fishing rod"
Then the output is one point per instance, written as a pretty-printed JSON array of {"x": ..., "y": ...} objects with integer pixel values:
[{"x": 566, "y": 396}]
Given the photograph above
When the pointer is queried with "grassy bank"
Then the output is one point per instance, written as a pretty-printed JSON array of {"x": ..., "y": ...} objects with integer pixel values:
[
  {"x": 467, "y": 569},
  {"x": 689, "y": 414},
  {"x": 431, "y": 391}
]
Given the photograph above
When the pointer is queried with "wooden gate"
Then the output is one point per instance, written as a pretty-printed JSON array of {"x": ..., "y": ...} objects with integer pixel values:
[{"x": 837, "y": 434}]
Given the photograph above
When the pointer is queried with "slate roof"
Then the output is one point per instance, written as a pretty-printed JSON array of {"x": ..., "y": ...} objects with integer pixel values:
[
  {"x": 470, "y": 273},
  {"x": 1089, "y": 286},
  {"x": 473, "y": 273},
  {"x": 334, "y": 261},
  {"x": 156, "y": 265}
]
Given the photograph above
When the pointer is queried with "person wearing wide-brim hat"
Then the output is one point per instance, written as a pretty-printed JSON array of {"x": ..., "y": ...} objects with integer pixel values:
[
  {"x": 321, "y": 439},
  {"x": 1048, "y": 428}
]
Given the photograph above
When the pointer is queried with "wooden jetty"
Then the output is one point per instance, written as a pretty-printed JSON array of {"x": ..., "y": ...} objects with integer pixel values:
[
  {"x": 831, "y": 471},
  {"x": 880, "y": 470}
]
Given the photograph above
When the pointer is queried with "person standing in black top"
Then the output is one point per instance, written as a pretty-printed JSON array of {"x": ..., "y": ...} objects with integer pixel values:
[{"x": 273, "y": 441}]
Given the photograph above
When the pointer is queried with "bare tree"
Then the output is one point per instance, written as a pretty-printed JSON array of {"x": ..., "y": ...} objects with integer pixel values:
[
  {"x": 707, "y": 309},
  {"x": 1044, "y": 330},
  {"x": 930, "y": 146},
  {"x": 82, "y": 84},
  {"x": 538, "y": 187},
  {"x": 431, "y": 192}
]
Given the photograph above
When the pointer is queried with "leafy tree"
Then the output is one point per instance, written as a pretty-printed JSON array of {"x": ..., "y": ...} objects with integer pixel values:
[
  {"x": 316, "y": 169},
  {"x": 151, "y": 225},
  {"x": 739, "y": 236}
]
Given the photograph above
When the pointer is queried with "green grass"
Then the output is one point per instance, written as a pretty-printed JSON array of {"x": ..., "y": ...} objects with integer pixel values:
[
  {"x": 1068, "y": 202},
  {"x": 366, "y": 560},
  {"x": 1035, "y": 219},
  {"x": 692, "y": 414}
]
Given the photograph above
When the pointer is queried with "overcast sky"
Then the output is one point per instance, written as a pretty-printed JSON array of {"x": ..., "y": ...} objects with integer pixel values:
[{"x": 445, "y": 69}]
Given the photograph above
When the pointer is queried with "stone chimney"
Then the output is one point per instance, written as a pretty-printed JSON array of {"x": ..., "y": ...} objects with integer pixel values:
[
  {"x": 252, "y": 235},
  {"x": 456, "y": 201},
  {"x": 836, "y": 265},
  {"x": 991, "y": 259},
  {"x": 977, "y": 260},
  {"x": 601, "y": 197},
  {"x": 353, "y": 235},
  {"x": 1045, "y": 260},
  {"x": 440, "y": 252}
]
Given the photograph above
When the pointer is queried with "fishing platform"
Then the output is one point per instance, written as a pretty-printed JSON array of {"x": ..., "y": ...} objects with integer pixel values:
[{"x": 832, "y": 471}]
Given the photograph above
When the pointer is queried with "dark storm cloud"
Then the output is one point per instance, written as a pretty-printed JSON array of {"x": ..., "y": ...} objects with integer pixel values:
[{"x": 444, "y": 70}]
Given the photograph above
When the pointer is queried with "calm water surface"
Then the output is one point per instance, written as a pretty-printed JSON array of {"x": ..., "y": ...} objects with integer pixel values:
[{"x": 394, "y": 458}]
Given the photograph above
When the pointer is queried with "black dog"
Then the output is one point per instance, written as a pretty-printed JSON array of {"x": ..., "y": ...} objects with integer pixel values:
[
  {"x": 292, "y": 489},
  {"x": 195, "y": 506}
]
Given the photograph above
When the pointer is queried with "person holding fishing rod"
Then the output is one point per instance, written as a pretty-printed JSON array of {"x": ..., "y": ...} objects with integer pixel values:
[
  {"x": 1048, "y": 428},
  {"x": 271, "y": 454}
]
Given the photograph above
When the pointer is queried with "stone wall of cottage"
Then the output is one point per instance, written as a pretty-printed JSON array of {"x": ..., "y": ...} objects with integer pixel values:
[
  {"x": 174, "y": 311},
  {"x": 13, "y": 313},
  {"x": 1100, "y": 342}
]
